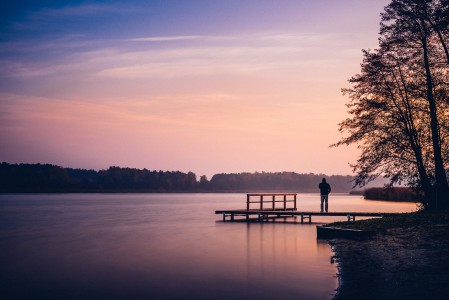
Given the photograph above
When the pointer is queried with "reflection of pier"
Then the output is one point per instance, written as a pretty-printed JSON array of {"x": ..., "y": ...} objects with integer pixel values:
[{"x": 274, "y": 211}]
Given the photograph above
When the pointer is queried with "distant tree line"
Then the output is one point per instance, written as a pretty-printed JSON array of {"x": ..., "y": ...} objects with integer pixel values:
[
  {"x": 281, "y": 181},
  {"x": 393, "y": 194},
  {"x": 46, "y": 178}
]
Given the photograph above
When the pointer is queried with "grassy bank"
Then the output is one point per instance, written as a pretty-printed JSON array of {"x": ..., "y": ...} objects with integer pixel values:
[{"x": 408, "y": 258}]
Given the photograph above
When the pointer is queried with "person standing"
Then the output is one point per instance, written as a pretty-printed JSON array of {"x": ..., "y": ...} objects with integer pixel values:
[{"x": 325, "y": 189}]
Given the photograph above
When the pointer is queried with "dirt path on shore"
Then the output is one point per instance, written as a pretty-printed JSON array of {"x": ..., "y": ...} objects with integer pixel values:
[{"x": 407, "y": 259}]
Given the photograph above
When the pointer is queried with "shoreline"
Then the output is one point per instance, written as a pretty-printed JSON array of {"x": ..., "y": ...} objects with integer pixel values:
[{"x": 407, "y": 258}]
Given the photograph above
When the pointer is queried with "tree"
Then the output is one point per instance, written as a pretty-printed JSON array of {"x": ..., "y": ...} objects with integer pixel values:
[
  {"x": 399, "y": 101},
  {"x": 419, "y": 23},
  {"x": 387, "y": 123}
]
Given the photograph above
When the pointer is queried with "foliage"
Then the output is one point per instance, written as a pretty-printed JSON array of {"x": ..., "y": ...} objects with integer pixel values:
[{"x": 400, "y": 101}]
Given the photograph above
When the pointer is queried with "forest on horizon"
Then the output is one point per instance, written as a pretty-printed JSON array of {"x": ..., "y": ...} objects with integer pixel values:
[{"x": 47, "y": 178}]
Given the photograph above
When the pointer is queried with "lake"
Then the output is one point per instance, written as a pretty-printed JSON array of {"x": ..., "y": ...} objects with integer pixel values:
[{"x": 163, "y": 246}]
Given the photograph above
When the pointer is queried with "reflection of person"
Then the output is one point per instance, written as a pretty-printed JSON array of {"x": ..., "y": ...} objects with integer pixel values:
[{"x": 325, "y": 189}]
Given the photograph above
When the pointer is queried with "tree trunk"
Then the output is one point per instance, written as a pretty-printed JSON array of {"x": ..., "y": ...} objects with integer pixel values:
[
  {"x": 426, "y": 185},
  {"x": 441, "y": 200}
]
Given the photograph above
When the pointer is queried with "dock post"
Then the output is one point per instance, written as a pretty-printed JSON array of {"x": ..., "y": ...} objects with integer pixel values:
[
  {"x": 247, "y": 201},
  {"x": 261, "y": 202},
  {"x": 274, "y": 205},
  {"x": 295, "y": 202},
  {"x": 224, "y": 217},
  {"x": 258, "y": 217},
  {"x": 302, "y": 218},
  {"x": 232, "y": 217},
  {"x": 351, "y": 217},
  {"x": 285, "y": 202}
]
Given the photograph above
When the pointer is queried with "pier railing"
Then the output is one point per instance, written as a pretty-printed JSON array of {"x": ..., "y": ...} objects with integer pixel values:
[{"x": 270, "y": 200}]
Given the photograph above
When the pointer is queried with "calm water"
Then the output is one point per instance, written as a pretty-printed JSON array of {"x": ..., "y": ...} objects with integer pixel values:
[{"x": 162, "y": 246}]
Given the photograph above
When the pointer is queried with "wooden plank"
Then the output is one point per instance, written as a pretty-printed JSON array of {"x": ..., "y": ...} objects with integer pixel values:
[
  {"x": 265, "y": 201},
  {"x": 312, "y": 213},
  {"x": 271, "y": 194},
  {"x": 285, "y": 201},
  {"x": 295, "y": 202}
]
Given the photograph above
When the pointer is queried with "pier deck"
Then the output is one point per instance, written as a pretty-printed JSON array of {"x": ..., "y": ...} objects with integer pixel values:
[{"x": 265, "y": 215}]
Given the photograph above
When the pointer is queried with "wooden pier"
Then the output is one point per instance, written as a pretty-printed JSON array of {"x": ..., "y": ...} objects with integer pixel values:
[
  {"x": 273, "y": 211},
  {"x": 266, "y": 215}
]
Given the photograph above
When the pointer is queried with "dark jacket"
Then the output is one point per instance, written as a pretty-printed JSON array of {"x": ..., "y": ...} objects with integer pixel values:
[{"x": 325, "y": 188}]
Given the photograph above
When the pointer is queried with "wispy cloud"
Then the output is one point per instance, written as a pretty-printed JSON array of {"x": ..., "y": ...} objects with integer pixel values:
[
  {"x": 262, "y": 54},
  {"x": 263, "y": 37},
  {"x": 207, "y": 55},
  {"x": 166, "y": 38}
]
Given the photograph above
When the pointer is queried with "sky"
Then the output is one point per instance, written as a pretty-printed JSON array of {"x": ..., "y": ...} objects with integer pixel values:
[{"x": 207, "y": 86}]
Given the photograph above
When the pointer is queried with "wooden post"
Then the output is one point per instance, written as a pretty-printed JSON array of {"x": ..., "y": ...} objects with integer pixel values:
[
  {"x": 274, "y": 205},
  {"x": 285, "y": 202},
  {"x": 247, "y": 201},
  {"x": 261, "y": 202},
  {"x": 295, "y": 202}
]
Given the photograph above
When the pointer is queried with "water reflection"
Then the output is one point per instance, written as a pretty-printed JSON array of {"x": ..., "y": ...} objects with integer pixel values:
[
  {"x": 159, "y": 247},
  {"x": 288, "y": 258}
]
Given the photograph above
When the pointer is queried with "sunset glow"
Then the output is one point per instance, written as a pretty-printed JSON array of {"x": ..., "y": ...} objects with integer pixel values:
[{"x": 202, "y": 86}]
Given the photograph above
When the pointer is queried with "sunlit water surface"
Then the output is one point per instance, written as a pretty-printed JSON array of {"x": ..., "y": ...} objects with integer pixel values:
[{"x": 163, "y": 246}]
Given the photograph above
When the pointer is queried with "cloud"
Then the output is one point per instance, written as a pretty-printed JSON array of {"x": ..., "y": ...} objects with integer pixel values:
[
  {"x": 166, "y": 38},
  {"x": 279, "y": 56},
  {"x": 241, "y": 55},
  {"x": 129, "y": 62}
]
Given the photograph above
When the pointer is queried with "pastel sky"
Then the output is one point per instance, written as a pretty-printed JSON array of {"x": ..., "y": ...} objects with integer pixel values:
[{"x": 208, "y": 86}]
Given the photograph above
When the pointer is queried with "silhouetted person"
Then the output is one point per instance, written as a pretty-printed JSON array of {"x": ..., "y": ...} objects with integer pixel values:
[{"x": 325, "y": 189}]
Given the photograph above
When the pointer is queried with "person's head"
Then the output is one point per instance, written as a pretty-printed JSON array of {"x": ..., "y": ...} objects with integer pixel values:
[{"x": 324, "y": 180}]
